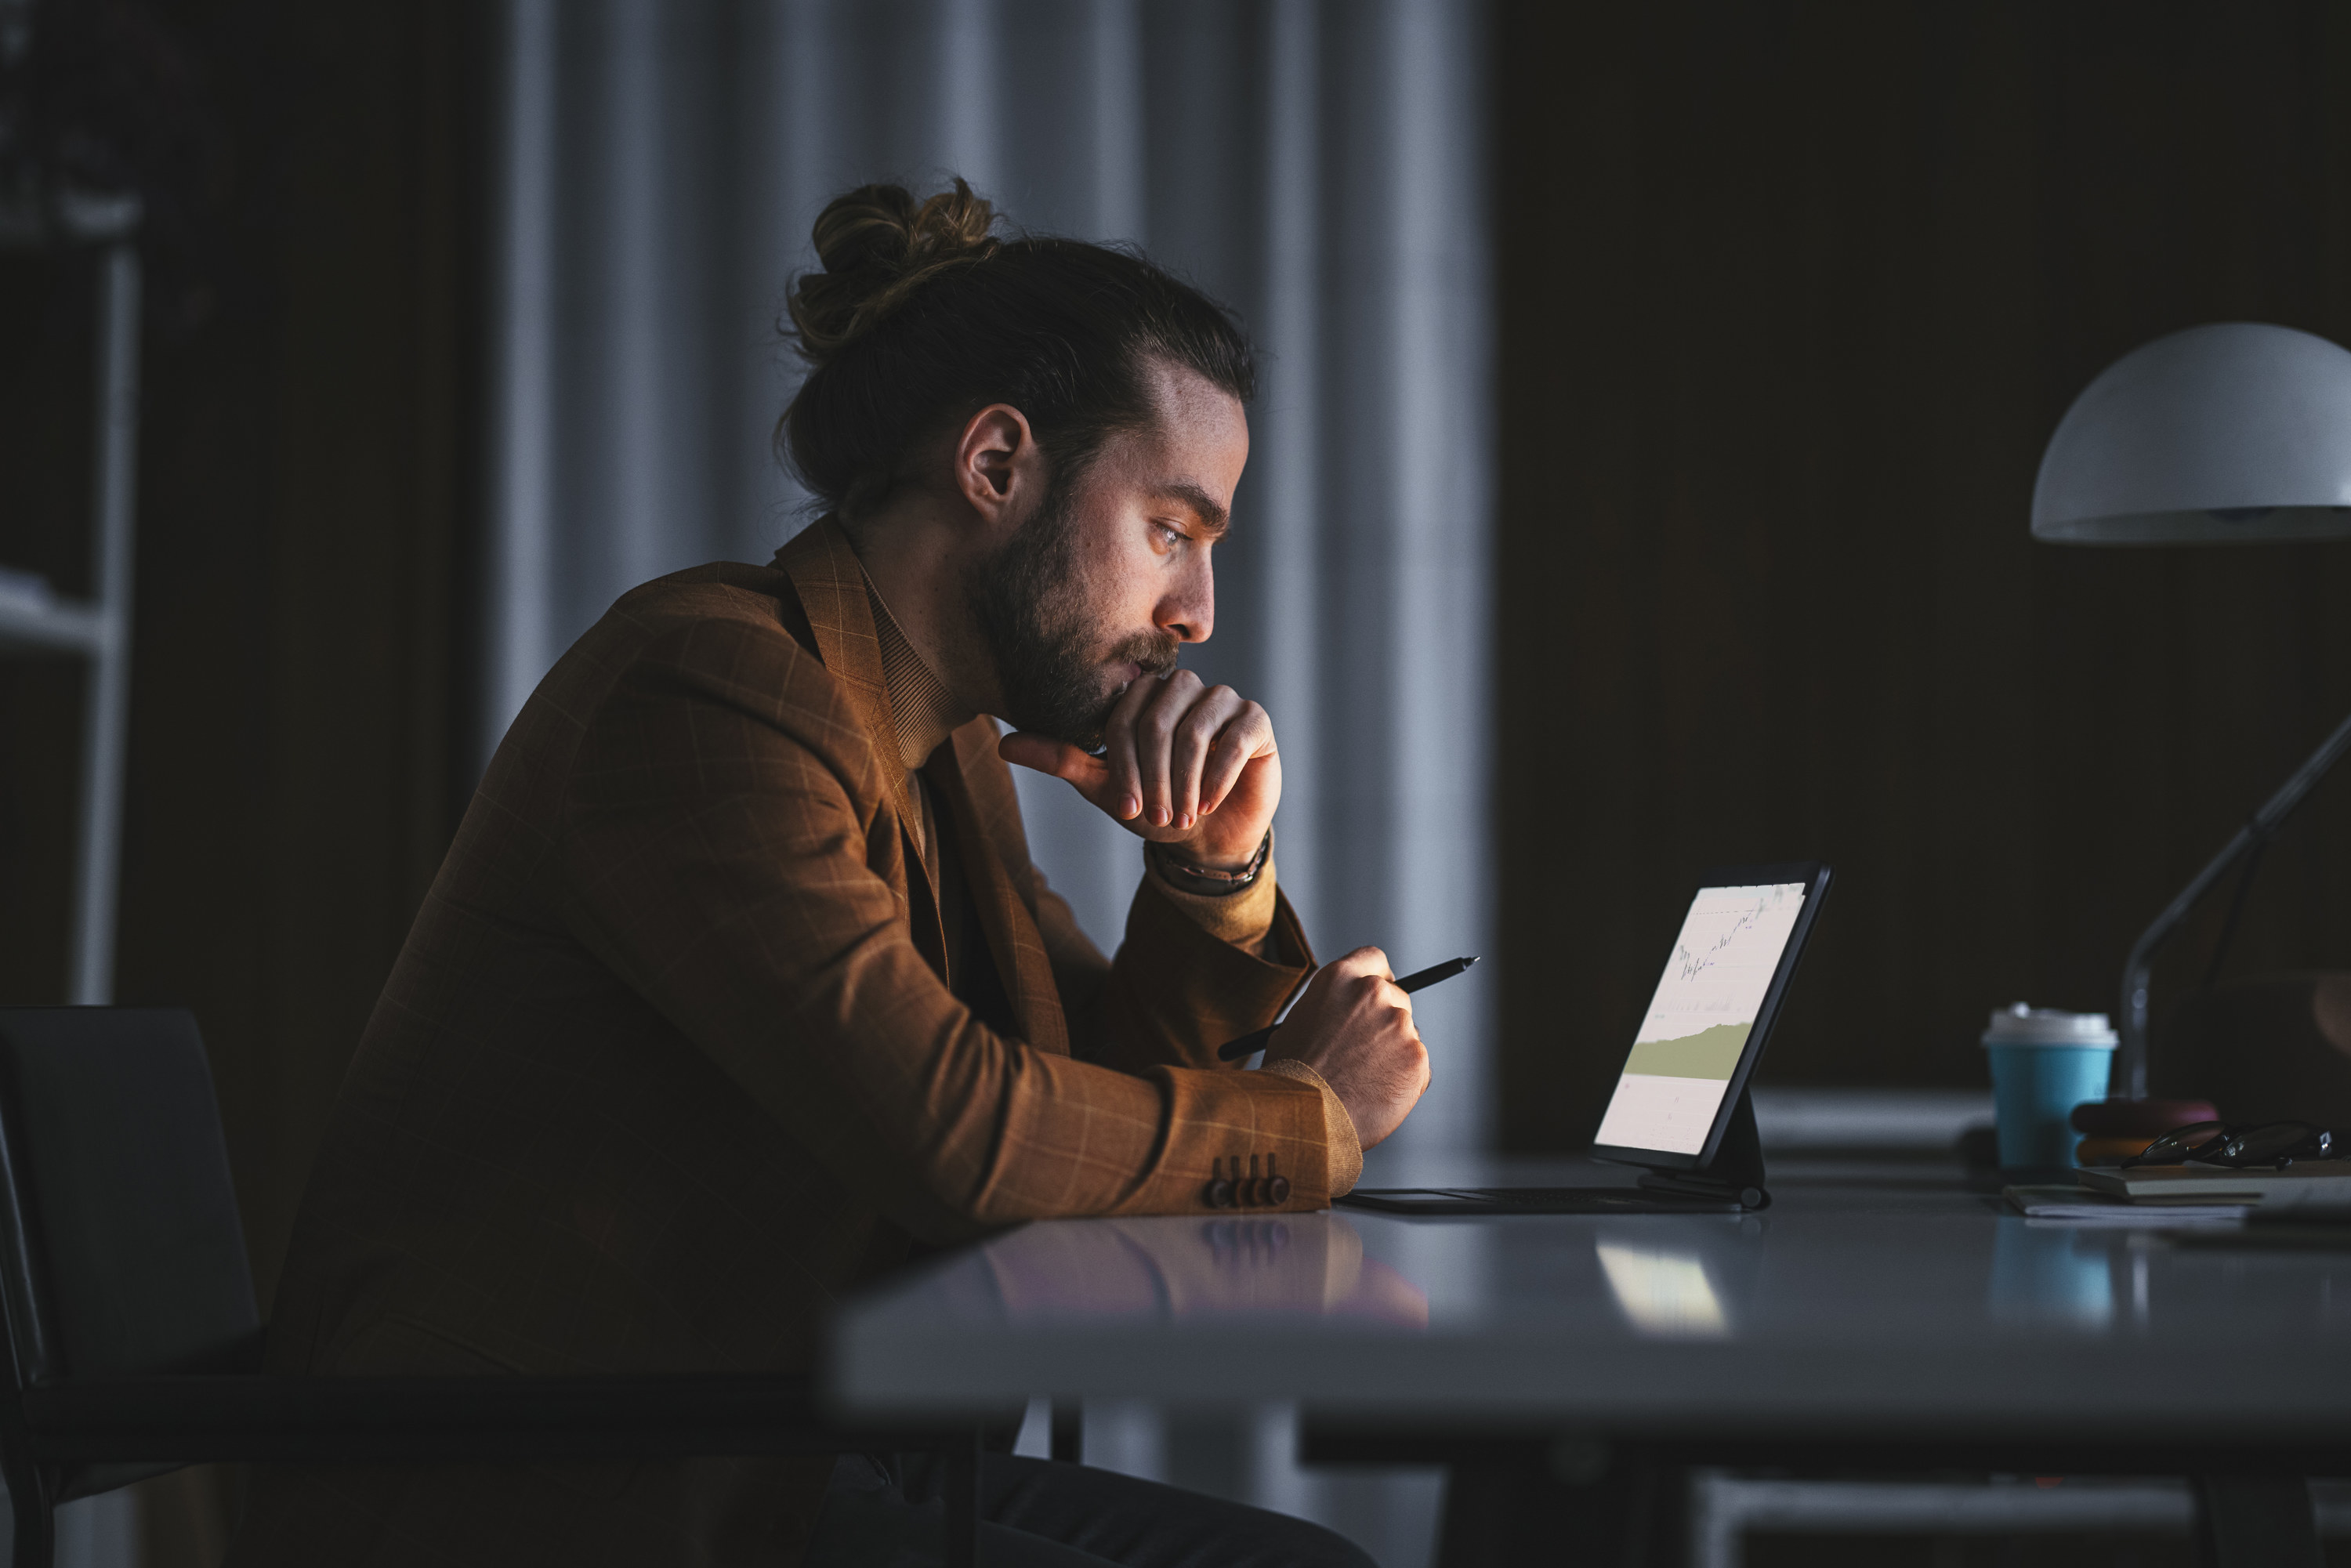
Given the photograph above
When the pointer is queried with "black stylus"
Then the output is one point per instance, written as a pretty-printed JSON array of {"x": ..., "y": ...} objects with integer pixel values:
[{"x": 1254, "y": 1041}]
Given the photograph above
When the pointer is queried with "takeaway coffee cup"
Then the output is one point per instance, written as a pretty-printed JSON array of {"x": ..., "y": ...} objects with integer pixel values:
[{"x": 2043, "y": 1063}]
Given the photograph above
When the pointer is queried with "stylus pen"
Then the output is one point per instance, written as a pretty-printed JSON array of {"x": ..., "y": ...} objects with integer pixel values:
[{"x": 1254, "y": 1041}]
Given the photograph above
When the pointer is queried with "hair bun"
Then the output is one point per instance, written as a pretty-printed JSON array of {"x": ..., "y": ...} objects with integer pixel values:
[{"x": 879, "y": 246}]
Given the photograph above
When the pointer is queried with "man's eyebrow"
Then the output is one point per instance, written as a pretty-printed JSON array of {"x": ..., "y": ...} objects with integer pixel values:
[{"x": 1212, "y": 515}]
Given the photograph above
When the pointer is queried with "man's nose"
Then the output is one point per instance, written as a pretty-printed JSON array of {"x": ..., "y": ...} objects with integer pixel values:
[{"x": 1189, "y": 614}]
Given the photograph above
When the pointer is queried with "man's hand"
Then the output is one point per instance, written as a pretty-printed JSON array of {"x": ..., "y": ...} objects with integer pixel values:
[
  {"x": 1354, "y": 1027},
  {"x": 1184, "y": 764}
]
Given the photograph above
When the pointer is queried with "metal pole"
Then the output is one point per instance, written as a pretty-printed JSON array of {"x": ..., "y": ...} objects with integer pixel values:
[
  {"x": 2130, "y": 1063},
  {"x": 962, "y": 1498},
  {"x": 1068, "y": 1431},
  {"x": 106, "y": 702}
]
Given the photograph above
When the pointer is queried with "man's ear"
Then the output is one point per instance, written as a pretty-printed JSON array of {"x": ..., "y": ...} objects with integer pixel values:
[{"x": 997, "y": 463}]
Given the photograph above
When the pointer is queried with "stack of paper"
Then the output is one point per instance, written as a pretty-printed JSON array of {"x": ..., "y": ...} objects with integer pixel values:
[
  {"x": 2320, "y": 1182},
  {"x": 2080, "y": 1206}
]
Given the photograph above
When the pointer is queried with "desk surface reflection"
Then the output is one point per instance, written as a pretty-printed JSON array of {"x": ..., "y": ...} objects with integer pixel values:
[{"x": 1883, "y": 1300}]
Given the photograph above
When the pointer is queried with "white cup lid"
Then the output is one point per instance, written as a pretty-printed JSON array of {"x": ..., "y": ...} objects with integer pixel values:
[{"x": 2021, "y": 1025}]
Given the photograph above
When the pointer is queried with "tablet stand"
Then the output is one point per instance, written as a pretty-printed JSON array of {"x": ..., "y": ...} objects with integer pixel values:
[{"x": 1736, "y": 1172}]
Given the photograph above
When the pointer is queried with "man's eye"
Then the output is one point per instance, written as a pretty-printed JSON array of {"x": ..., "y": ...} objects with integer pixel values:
[{"x": 1170, "y": 536}]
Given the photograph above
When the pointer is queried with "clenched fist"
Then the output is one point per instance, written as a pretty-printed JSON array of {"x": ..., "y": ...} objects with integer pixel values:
[{"x": 1354, "y": 1027}]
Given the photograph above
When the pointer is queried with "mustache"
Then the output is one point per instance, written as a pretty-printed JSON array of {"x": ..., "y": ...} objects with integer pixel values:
[{"x": 1155, "y": 651}]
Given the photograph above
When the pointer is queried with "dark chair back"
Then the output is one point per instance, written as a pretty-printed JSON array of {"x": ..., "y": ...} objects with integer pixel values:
[{"x": 121, "y": 1254}]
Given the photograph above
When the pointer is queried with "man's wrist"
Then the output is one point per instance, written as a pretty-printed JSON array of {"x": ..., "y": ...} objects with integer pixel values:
[
  {"x": 1182, "y": 869},
  {"x": 1342, "y": 1144}
]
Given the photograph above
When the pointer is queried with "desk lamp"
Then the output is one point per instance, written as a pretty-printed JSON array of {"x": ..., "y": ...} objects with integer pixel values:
[{"x": 2231, "y": 433}]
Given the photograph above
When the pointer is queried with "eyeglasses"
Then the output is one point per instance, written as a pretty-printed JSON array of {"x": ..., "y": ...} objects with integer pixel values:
[{"x": 2278, "y": 1143}]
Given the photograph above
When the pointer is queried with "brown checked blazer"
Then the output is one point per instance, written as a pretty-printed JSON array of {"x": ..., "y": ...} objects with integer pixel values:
[{"x": 669, "y": 1065}]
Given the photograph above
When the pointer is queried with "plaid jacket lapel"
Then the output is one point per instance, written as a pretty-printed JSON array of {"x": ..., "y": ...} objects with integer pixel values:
[
  {"x": 830, "y": 583},
  {"x": 831, "y": 587},
  {"x": 1013, "y": 939}
]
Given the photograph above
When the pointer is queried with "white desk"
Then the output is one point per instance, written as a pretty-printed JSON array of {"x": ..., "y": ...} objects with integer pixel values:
[
  {"x": 1853, "y": 1307},
  {"x": 1875, "y": 1317}
]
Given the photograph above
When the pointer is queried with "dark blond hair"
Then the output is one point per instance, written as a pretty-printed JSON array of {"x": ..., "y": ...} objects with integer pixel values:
[{"x": 923, "y": 315}]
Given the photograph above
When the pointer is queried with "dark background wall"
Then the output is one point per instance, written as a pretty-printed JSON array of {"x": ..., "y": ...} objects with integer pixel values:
[
  {"x": 1793, "y": 296},
  {"x": 304, "y": 477},
  {"x": 305, "y": 489}
]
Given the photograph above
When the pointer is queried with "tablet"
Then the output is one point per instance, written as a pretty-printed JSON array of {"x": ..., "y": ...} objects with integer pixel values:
[
  {"x": 1679, "y": 1109},
  {"x": 1707, "y": 1023}
]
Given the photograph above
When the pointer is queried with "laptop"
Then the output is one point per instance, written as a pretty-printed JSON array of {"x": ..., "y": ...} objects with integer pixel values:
[{"x": 1680, "y": 1111}]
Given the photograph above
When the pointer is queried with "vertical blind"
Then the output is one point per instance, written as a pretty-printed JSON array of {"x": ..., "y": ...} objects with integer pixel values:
[{"x": 1317, "y": 166}]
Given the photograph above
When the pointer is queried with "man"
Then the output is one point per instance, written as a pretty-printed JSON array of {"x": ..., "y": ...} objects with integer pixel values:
[{"x": 738, "y": 985}]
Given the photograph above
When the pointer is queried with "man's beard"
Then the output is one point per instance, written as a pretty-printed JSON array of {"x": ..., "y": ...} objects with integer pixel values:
[{"x": 1030, "y": 607}]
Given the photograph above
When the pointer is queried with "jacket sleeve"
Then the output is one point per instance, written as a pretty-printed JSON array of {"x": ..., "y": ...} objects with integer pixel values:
[
  {"x": 1178, "y": 990},
  {"x": 714, "y": 852}
]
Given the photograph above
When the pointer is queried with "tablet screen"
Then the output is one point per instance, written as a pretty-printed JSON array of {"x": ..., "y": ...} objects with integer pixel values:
[{"x": 1688, "y": 1047}]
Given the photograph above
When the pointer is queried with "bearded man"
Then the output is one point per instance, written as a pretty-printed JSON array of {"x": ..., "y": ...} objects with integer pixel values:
[{"x": 737, "y": 986}]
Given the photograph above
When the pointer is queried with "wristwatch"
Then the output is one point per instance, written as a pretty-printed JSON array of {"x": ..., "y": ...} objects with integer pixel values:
[{"x": 1187, "y": 877}]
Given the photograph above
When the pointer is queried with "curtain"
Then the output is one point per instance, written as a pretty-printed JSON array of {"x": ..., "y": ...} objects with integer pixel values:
[{"x": 1316, "y": 166}]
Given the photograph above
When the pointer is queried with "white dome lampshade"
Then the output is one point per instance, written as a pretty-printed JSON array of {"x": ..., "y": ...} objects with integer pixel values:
[{"x": 2232, "y": 433}]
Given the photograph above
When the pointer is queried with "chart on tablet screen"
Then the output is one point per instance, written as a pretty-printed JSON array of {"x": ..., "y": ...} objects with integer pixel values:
[{"x": 1689, "y": 1043}]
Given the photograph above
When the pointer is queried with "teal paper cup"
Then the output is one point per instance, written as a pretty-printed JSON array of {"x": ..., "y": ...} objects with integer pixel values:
[{"x": 2043, "y": 1063}]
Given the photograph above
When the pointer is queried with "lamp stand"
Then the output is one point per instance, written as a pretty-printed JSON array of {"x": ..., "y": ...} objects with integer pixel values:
[{"x": 2130, "y": 1063}]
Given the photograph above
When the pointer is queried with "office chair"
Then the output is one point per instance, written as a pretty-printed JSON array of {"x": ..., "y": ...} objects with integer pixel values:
[{"x": 135, "y": 1347}]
